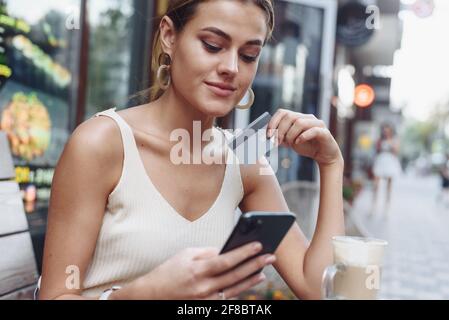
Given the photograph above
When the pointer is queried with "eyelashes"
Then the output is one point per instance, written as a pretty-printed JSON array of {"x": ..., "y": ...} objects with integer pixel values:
[
  {"x": 210, "y": 47},
  {"x": 214, "y": 49}
]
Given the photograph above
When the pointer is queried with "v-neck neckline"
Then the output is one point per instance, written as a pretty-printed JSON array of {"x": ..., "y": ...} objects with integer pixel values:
[{"x": 172, "y": 210}]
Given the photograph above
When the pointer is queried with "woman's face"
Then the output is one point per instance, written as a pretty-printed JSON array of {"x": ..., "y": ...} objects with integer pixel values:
[
  {"x": 220, "y": 46},
  {"x": 388, "y": 132}
]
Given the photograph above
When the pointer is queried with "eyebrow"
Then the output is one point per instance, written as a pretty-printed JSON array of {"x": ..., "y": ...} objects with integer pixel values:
[{"x": 228, "y": 37}]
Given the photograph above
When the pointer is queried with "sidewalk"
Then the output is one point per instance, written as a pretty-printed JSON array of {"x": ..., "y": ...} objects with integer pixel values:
[{"x": 416, "y": 264}]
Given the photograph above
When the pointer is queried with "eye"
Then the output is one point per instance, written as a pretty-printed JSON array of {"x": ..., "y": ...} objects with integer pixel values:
[
  {"x": 214, "y": 49},
  {"x": 249, "y": 58},
  {"x": 210, "y": 47}
]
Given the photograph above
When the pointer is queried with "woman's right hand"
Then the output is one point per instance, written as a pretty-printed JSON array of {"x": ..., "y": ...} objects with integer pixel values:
[{"x": 200, "y": 273}]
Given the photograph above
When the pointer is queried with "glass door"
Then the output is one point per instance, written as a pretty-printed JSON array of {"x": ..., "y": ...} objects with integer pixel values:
[
  {"x": 39, "y": 54},
  {"x": 295, "y": 72}
]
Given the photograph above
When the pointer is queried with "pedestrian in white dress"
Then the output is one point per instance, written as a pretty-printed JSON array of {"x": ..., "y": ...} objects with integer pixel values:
[{"x": 386, "y": 164}]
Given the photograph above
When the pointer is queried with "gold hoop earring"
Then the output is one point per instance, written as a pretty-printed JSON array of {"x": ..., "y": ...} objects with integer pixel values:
[
  {"x": 250, "y": 102},
  {"x": 165, "y": 64}
]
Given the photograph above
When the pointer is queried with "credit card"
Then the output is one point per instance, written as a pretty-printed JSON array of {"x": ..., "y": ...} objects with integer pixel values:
[
  {"x": 250, "y": 130},
  {"x": 252, "y": 143}
]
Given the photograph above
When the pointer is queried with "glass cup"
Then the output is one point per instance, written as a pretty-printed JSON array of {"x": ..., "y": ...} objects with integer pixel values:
[{"x": 356, "y": 272}]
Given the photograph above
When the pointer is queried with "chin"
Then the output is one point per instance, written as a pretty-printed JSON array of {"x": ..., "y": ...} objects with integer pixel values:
[{"x": 217, "y": 110}]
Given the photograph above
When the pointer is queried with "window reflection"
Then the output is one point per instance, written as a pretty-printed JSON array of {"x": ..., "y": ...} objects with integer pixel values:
[
  {"x": 289, "y": 74},
  {"x": 110, "y": 26}
]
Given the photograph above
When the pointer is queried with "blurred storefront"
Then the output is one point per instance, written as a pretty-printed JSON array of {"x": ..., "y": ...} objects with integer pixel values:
[
  {"x": 61, "y": 62},
  {"x": 368, "y": 35}
]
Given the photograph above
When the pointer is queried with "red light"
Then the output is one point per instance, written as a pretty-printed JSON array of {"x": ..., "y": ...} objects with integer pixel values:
[{"x": 364, "y": 96}]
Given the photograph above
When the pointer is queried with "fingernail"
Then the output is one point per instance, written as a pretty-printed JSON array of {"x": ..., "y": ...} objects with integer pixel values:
[
  {"x": 297, "y": 141},
  {"x": 262, "y": 276},
  {"x": 257, "y": 246},
  {"x": 270, "y": 259}
]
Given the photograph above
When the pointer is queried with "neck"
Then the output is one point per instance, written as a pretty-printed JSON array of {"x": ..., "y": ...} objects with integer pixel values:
[{"x": 173, "y": 112}]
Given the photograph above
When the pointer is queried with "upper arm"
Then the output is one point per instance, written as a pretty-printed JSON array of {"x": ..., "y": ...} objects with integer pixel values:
[
  {"x": 85, "y": 174},
  {"x": 263, "y": 193}
]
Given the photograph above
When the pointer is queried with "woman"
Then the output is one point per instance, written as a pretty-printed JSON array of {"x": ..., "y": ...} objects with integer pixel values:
[
  {"x": 126, "y": 223},
  {"x": 386, "y": 165}
]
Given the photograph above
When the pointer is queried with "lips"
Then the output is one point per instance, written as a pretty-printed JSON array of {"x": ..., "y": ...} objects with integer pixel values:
[{"x": 221, "y": 89}]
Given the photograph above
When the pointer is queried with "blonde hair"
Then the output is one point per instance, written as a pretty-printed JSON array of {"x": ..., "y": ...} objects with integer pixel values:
[{"x": 181, "y": 12}]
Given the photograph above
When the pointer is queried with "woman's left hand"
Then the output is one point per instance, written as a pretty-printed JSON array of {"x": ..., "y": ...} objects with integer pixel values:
[{"x": 307, "y": 135}]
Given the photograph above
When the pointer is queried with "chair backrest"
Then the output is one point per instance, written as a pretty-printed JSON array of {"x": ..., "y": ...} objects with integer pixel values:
[
  {"x": 18, "y": 270},
  {"x": 6, "y": 164},
  {"x": 303, "y": 199}
]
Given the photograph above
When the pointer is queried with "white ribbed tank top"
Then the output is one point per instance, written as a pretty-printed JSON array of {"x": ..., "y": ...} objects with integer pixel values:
[{"x": 140, "y": 229}]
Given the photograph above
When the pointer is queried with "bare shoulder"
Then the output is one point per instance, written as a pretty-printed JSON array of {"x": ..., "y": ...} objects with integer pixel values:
[
  {"x": 95, "y": 146},
  {"x": 100, "y": 135},
  {"x": 136, "y": 117}
]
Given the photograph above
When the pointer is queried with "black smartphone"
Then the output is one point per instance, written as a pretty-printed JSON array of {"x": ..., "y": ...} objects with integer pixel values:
[{"x": 268, "y": 228}]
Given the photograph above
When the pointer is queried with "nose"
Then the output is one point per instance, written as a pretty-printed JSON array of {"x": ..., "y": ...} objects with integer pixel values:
[{"x": 229, "y": 64}]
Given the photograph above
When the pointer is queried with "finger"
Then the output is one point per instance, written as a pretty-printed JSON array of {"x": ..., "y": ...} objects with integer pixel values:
[
  {"x": 313, "y": 133},
  {"x": 231, "y": 259},
  {"x": 242, "y": 272},
  {"x": 299, "y": 126},
  {"x": 243, "y": 286},
  {"x": 285, "y": 125},
  {"x": 239, "y": 288},
  {"x": 204, "y": 253},
  {"x": 280, "y": 113},
  {"x": 274, "y": 122},
  {"x": 272, "y": 128}
]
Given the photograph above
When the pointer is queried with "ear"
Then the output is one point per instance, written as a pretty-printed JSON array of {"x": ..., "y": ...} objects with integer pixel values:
[{"x": 167, "y": 35}]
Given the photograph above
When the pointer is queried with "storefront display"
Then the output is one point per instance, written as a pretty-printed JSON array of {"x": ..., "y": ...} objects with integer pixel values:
[{"x": 38, "y": 59}]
